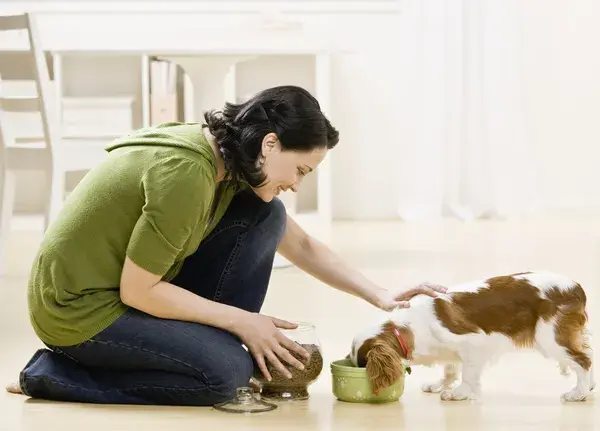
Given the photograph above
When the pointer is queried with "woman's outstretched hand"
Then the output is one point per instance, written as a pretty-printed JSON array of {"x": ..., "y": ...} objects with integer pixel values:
[
  {"x": 389, "y": 301},
  {"x": 266, "y": 343}
]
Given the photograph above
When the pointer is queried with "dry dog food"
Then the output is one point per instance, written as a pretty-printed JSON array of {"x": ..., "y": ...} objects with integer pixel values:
[{"x": 282, "y": 388}]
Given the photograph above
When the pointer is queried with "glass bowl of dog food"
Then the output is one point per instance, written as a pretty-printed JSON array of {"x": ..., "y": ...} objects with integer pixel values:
[{"x": 281, "y": 388}]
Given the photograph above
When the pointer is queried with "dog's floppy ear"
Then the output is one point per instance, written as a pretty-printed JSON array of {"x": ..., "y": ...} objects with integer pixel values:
[{"x": 384, "y": 365}]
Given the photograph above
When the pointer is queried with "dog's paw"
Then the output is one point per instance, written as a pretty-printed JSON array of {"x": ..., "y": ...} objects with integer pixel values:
[
  {"x": 437, "y": 386},
  {"x": 575, "y": 395},
  {"x": 460, "y": 393}
]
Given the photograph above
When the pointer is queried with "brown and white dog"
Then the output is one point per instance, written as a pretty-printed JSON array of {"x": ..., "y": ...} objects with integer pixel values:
[{"x": 473, "y": 323}]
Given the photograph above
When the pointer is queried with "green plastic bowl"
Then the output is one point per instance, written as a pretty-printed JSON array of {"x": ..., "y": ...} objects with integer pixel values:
[{"x": 351, "y": 384}]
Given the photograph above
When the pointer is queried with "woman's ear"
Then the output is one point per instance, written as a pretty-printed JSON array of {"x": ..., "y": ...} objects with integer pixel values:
[
  {"x": 269, "y": 143},
  {"x": 384, "y": 365}
]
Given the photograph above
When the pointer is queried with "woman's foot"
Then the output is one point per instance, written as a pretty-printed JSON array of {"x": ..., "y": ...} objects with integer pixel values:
[{"x": 14, "y": 388}]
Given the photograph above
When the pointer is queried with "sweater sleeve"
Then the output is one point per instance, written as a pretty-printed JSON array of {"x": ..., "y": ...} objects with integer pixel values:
[{"x": 177, "y": 199}]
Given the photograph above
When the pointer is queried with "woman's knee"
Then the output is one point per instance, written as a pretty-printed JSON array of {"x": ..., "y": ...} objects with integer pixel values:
[
  {"x": 269, "y": 217},
  {"x": 276, "y": 215}
]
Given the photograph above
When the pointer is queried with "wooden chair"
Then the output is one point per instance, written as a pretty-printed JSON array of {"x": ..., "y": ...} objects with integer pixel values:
[
  {"x": 37, "y": 148},
  {"x": 30, "y": 152}
]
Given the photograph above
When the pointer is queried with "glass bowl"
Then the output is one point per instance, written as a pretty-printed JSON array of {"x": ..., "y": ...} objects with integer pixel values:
[
  {"x": 280, "y": 388},
  {"x": 245, "y": 401}
]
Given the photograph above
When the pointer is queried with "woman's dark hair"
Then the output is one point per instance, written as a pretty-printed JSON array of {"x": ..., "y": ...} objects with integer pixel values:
[{"x": 290, "y": 112}]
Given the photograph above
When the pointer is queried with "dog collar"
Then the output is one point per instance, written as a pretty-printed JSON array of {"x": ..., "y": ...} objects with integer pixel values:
[{"x": 402, "y": 342}]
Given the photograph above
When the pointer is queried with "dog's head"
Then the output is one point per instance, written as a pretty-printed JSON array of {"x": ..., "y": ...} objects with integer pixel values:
[{"x": 384, "y": 351}]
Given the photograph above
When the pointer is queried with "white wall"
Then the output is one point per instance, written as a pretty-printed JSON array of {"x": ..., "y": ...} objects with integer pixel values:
[
  {"x": 562, "y": 91},
  {"x": 562, "y": 71},
  {"x": 372, "y": 104},
  {"x": 368, "y": 106},
  {"x": 562, "y": 88}
]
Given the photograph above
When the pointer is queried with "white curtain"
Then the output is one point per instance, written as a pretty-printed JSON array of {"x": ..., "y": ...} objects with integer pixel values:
[{"x": 468, "y": 154}]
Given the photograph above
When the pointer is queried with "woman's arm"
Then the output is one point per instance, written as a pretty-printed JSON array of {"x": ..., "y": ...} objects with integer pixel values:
[
  {"x": 146, "y": 292},
  {"x": 316, "y": 259}
]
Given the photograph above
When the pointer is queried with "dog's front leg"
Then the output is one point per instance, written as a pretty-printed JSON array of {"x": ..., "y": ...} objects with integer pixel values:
[
  {"x": 470, "y": 387},
  {"x": 451, "y": 372}
]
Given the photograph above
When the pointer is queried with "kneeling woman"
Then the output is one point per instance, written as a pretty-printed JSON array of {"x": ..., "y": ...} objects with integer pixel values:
[{"x": 151, "y": 279}]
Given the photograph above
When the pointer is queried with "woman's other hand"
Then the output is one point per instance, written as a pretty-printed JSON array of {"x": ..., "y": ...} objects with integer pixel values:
[
  {"x": 389, "y": 301},
  {"x": 267, "y": 343}
]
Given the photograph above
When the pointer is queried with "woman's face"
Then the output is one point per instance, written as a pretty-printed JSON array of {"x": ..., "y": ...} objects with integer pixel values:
[{"x": 284, "y": 169}]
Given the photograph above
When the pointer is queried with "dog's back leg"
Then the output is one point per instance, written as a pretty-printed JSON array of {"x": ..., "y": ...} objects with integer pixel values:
[
  {"x": 451, "y": 376},
  {"x": 564, "y": 368},
  {"x": 562, "y": 334}
]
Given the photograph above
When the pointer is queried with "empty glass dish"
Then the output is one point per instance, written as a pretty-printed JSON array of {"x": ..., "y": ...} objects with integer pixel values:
[{"x": 245, "y": 401}]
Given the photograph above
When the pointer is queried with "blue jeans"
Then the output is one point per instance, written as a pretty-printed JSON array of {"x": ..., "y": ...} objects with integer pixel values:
[{"x": 142, "y": 359}]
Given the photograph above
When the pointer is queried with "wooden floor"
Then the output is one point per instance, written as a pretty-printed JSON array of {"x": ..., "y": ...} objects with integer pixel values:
[{"x": 521, "y": 392}]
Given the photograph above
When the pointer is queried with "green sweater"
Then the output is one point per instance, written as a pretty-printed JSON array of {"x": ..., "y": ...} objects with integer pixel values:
[{"x": 149, "y": 200}]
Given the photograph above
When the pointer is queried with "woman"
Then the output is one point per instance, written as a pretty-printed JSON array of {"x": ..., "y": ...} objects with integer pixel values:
[{"x": 151, "y": 280}]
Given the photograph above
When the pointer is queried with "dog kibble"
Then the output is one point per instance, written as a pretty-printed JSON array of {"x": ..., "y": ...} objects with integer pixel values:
[{"x": 296, "y": 388}]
